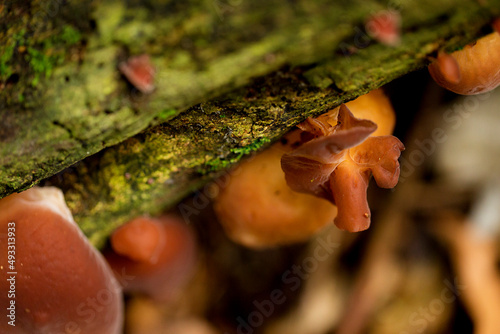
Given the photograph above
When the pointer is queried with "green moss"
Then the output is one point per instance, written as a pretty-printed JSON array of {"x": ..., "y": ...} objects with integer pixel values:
[
  {"x": 257, "y": 144},
  {"x": 167, "y": 114},
  {"x": 7, "y": 53},
  {"x": 70, "y": 35},
  {"x": 217, "y": 164},
  {"x": 5, "y": 57},
  {"x": 235, "y": 155},
  {"x": 40, "y": 63},
  {"x": 42, "y": 54},
  {"x": 52, "y": 52}
]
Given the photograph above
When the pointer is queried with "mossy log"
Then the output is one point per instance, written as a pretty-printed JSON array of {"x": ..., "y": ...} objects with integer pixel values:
[{"x": 232, "y": 77}]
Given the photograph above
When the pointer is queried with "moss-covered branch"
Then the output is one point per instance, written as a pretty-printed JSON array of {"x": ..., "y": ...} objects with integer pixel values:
[
  {"x": 84, "y": 105},
  {"x": 62, "y": 98}
]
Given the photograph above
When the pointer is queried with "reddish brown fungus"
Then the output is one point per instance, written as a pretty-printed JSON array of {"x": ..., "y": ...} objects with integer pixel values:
[
  {"x": 338, "y": 164},
  {"x": 385, "y": 27},
  {"x": 139, "y": 240},
  {"x": 496, "y": 25},
  {"x": 258, "y": 209},
  {"x": 449, "y": 67},
  {"x": 139, "y": 72},
  {"x": 158, "y": 253},
  {"x": 62, "y": 283}
]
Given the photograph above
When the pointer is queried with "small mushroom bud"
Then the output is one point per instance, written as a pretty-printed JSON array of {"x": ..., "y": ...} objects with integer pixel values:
[
  {"x": 449, "y": 68},
  {"x": 59, "y": 282},
  {"x": 159, "y": 254},
  {"x": 139, "y": 72},
  {"x": 473, "y": 70},
  {"x": 385, "y": 27}
]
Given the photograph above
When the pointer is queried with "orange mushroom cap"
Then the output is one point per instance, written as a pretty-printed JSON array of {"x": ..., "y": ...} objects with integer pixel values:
[
  {"x": 159, "y": 253},
  {"x": 62, "y": 283},
  {"x": 258, "y": 209},
  {"x": 473, "y": 70}
]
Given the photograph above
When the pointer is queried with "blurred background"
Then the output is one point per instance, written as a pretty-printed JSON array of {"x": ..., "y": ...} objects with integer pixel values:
[{"x": 428, "y": 263}]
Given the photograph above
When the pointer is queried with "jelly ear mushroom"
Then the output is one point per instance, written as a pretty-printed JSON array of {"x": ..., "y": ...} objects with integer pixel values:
[
  {"x": 338, "y": 167},
  {"x": 473, "y": 70},
  {"x": 60, "y": 283},
  {"x": 374, "y": 106},
  {"x": 158, "y": 254},
  {"x": 258, "y": 209}
]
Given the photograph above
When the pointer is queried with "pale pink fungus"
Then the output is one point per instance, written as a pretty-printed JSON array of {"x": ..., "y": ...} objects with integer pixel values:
[
  {"x": 139, "y": 72},
  {"x": 385, "y": 27}
]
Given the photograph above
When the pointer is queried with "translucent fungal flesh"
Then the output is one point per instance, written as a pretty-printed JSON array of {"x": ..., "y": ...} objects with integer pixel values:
[
  {"x": 478, "y": 67},
  {"x": 338, "y": 163}
]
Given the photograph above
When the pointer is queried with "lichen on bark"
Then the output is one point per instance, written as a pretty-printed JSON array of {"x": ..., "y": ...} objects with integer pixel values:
[{"x": 200, "y": 53}]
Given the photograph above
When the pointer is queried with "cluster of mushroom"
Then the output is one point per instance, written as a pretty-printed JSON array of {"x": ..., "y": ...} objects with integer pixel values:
[
  {"x": 473, "y": 70},
  {"x": 59, "y": 283},
  {"x": 285, "y": 194}
]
